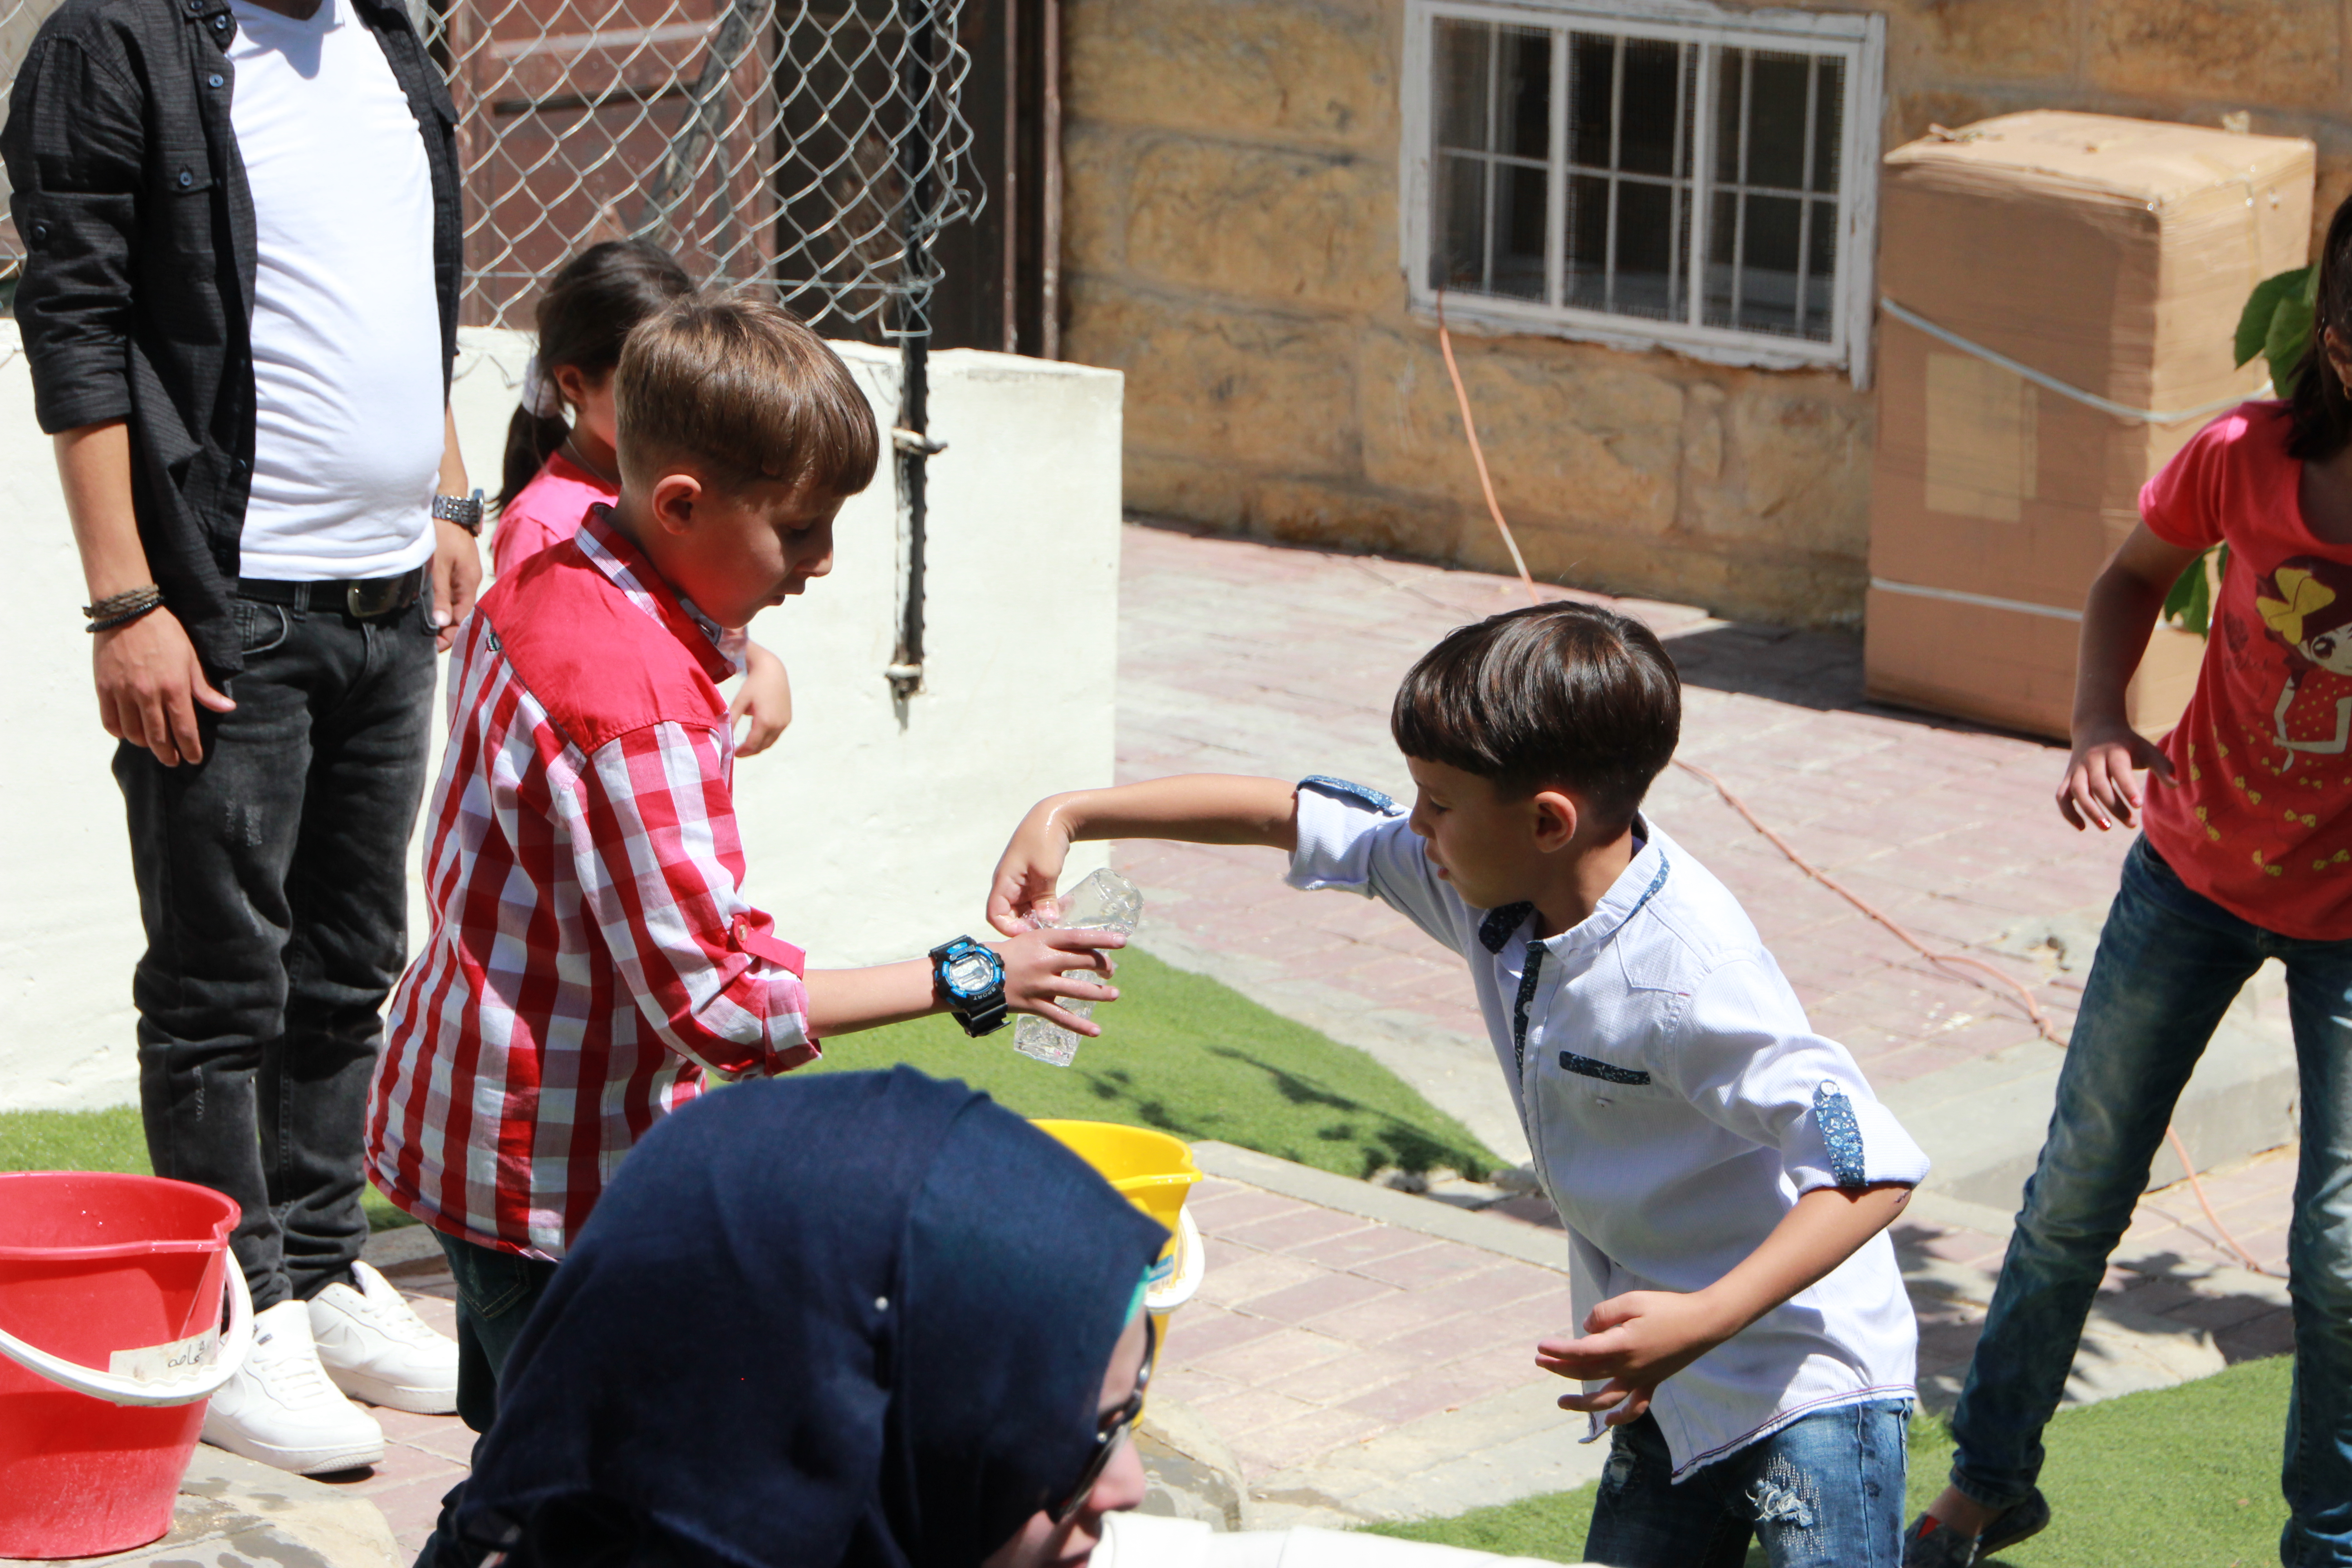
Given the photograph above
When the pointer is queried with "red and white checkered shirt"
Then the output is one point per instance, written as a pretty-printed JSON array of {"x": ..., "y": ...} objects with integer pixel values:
[{"x": 592, "y": 953}]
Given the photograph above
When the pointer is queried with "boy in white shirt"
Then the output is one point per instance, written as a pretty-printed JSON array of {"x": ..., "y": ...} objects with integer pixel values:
[{"x": 1725, "y": 1173}]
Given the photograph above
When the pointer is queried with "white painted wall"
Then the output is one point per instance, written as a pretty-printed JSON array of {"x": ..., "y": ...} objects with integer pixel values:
[{"x": 869, "y": 837}]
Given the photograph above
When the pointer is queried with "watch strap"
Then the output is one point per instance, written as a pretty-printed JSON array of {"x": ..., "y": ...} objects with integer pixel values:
[
  {"x": 986, "y": 1018},
  {"x": 466, "y": 512}
]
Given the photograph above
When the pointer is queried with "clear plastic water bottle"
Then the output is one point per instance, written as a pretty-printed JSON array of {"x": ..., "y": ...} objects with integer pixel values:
[{"x": 1104, "y": 901}]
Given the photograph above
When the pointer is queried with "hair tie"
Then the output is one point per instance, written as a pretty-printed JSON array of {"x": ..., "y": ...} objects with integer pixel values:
[{"x": 540, "y": 398}]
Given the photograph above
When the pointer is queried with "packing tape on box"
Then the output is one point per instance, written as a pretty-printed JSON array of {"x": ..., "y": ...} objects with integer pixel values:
[
  {"x": 1983, "y": 601},
  {"x": 2105, "y": 405}
]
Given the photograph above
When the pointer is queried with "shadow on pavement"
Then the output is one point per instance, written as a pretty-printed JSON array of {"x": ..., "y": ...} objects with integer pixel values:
[{"x": 1817, "y": 669}]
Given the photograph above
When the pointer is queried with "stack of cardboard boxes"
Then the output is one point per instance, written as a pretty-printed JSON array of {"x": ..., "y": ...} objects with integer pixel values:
[{"x": 2110, "y": 256}]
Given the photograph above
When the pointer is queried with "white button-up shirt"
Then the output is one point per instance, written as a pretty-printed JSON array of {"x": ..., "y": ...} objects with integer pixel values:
[{"x": 1677, "y": 1103}]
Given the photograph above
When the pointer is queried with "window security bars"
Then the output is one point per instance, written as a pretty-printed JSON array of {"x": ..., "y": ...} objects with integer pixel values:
[{"x": 1704, "y": 185}]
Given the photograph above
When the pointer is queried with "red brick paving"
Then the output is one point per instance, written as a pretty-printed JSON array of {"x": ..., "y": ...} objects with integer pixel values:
[{"x": 424, "y": 1456}]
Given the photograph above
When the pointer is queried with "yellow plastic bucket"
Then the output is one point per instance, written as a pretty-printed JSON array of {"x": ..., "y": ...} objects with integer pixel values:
[{"x": 1154, "y": 1172}]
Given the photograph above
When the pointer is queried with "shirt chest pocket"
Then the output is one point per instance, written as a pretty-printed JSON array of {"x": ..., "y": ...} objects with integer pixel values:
[
  {"x": 179, "y": 213},
  {"x": 1602, "y": 1086},
  {"x": 181, "y": 171}
]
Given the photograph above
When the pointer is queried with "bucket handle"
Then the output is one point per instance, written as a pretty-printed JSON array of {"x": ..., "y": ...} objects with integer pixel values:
[
  {"x": 1191, "y": 1266},
  {"x": 117, "y": 1389}
]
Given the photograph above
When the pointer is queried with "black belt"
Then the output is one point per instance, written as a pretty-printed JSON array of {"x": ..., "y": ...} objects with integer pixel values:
[{"x": 361, "y": 598}]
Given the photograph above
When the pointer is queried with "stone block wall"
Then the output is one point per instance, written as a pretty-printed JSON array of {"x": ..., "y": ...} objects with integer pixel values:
[{"x": 1231, "y": 243}]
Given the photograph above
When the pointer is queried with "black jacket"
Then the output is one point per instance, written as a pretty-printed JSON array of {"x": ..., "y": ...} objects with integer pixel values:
[{"x": 136, "y": 300}]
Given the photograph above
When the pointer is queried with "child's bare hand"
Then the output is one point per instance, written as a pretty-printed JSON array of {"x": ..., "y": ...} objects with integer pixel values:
[
  {"x": 1029, "y": 871},
  {"x": 1636, "y": 1341},
  {"x": 1035, "y": 980},
  {"x": 766, "y": 695},
  {"x": 2098, "y": 790}
]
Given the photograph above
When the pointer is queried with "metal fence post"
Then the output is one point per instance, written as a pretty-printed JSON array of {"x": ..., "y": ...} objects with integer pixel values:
[{"x": 911, "y": 441}]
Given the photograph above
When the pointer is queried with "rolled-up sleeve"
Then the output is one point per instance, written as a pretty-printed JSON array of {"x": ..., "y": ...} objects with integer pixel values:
[
  {"x": 75, "y": 150},
  {"x": 1357, "y": 840},
  {"x": 1743, "y": 1054},
  {"x": 659, "y": 867}
]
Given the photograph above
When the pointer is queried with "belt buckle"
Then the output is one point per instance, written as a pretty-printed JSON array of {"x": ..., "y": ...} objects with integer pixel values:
[{"x": 376, "y": 597}]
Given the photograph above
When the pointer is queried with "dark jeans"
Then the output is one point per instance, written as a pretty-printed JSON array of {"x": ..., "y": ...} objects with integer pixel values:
[
  {"x": 495, "y": 1291},
  {"x": 2168, "y": 964},
  {"x": 273, "y": 885},
  {"x": 1824, "y": 1491}
]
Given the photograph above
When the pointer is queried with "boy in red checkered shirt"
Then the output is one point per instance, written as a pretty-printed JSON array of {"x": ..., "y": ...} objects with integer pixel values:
[{"x": 591, "y": 954}]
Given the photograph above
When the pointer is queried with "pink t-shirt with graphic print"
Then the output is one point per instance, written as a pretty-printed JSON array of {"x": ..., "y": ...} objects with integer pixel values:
[{"x": 2258, "y": 816}]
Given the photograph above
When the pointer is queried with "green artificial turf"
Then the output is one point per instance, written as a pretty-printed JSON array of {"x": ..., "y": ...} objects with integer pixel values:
[
  {"x": 112, "y": 1140},
  {"x": 2183, "y": 1476},
  {"x": 1181, "y": 1053},
  {"x": 73, "y": 1141},
  {"x": 1184, "y": 1054}
]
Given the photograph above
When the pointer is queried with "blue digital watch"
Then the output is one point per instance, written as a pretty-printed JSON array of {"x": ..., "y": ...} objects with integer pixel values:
[{"x": 969, "y": 979}]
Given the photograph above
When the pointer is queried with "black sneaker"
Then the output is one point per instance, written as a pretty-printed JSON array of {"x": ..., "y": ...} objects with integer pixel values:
[
  {"x": 2029, "y": 1515},
  {"x": 1930, "y": 1544}
]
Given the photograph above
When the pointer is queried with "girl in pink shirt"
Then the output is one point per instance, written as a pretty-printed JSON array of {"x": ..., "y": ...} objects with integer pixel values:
[
  {"x": 2245, "y": 854},
  {"x": 559, "y": 458}
]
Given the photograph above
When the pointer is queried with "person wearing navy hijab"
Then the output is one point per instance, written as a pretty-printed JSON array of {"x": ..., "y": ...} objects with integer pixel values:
[{"x": 843, "y": 1320}]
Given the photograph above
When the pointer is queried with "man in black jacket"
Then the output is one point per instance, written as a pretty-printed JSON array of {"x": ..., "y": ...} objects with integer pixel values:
[{"x": 239, "y": 304}]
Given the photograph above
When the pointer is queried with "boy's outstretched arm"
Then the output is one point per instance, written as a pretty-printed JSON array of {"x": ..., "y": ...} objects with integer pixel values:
[
  {"x": 1194, "y": 808},
  {"x": 1639, "y": 1340},
  {"x": 844, "y": 1000},
  {"x": 2125, "y": 600}
]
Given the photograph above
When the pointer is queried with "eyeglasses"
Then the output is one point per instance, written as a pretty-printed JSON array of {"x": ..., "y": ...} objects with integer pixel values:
[{"x": 1113, "y": 1430}]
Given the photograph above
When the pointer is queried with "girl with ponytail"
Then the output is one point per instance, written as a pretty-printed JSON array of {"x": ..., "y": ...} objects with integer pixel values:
[{"x": 560, "y": 460}]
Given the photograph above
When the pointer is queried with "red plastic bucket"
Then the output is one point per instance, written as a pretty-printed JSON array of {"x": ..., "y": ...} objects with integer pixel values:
[{"x": 110, "y": 1341}]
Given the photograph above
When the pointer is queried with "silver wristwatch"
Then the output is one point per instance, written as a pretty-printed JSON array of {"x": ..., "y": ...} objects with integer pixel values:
[{"x": 466, "y": 512}]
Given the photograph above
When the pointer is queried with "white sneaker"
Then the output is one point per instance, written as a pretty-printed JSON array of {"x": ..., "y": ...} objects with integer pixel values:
[
  {"x": 377, "y": 1349},
  {"x": 280, "y": 1409}
]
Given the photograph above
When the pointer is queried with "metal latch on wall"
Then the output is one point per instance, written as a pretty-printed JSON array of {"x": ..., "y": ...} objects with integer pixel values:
[{"x": 905, "y": 672}]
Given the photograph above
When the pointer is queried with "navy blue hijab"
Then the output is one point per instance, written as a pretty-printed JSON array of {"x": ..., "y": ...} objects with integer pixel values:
[{"x": 855, "y": 1319}]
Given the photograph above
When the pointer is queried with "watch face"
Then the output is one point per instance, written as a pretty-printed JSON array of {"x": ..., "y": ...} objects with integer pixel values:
[{"x": 971, "y": 973}]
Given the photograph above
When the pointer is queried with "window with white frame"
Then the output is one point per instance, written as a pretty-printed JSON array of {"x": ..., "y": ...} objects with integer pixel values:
[{"x": 1667, "y": 173}]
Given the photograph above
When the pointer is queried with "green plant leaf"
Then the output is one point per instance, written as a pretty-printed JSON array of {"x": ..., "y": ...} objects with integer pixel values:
[
  {"x": 2189, "y": 603},
  {"x": 2287, "y": 346},
  {"x": 2254, "y": 322}
]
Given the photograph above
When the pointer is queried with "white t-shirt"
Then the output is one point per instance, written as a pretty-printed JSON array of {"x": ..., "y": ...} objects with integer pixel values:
[
  {"x": 346, "y": 325},
  {"x": 1677, "y": 1102}
]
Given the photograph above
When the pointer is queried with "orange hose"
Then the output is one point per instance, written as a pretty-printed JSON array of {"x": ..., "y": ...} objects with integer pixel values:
[{"x": 1478, "y": 453}]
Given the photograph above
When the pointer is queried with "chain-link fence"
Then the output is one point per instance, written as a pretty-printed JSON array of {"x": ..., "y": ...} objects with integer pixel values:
[
  {"x": 817, "y": 145},
  {"x": 814, "y": 145}
]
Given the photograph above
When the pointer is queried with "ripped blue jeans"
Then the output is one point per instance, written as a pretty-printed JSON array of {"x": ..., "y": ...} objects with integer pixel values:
[{"x": 1824, "y": 1491}]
